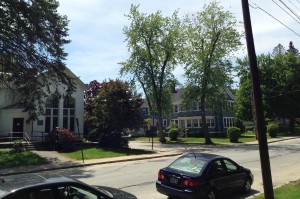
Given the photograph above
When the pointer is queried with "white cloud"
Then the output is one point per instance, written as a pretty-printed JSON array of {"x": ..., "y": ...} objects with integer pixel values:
[{"x": 96, "y": 30}]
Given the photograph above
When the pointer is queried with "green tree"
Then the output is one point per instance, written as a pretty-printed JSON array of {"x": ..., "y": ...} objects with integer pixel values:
[
  {"x": 117, "y": 108},
  {"x": 280, "y": 83},
  {"x": 211, "y": 38},
  {"x": 154, "y": 43},
  {"x": 286, "y": 96},
  {"x": 92, "y": 91},
  {"x": 32, "y": 36}
]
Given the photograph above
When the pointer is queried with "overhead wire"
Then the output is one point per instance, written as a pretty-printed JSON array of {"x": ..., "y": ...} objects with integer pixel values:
[
  {"x": 292, "y": 11},
  {"x": 294, "y": 5},
  {"x": 286, "y": 11},
  {"x": 255, "y": 6}
]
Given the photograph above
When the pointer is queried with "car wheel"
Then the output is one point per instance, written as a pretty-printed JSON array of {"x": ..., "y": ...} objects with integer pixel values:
[
  {"x": 211, "y": 194},
  {"x": 247, "y": 186}
]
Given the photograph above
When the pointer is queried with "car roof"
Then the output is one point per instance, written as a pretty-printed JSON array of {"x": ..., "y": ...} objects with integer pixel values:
[
  {"x": 204, "y": 156},
  {"x": 15, "y": 182}
]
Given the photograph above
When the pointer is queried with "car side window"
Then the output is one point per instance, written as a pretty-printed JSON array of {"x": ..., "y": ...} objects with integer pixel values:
[
  {"x": 46, "y": 193},
  {"x": 216, "y": 167},
  {"x": 230, "y": 165},
  {"x": 72, "y": 192}
]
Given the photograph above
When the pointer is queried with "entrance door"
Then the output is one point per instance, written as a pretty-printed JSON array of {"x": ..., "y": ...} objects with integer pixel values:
[{"x": 18, "y": 128}]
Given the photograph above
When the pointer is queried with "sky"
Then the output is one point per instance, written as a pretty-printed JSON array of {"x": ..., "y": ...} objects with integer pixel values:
[{"x": 98, "y": 42}]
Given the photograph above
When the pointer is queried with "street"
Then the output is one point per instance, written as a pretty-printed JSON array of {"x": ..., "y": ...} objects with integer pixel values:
[{"x": 138, "y": 177}]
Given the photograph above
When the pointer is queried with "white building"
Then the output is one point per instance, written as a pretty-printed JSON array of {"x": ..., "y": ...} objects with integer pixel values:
[{"x": 64, "y": 112}]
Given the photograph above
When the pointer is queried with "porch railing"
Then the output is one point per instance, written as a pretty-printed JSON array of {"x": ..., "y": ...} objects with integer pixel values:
[{"x": 27, "y": 137}]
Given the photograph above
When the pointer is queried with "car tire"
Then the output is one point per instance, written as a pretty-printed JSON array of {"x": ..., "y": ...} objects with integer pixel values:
[
  {"x": 247, "y": 186},
  {"x": 211, "y": 194}
]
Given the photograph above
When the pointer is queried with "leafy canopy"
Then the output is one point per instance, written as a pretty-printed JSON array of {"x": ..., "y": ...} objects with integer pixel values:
[
  {"x": 154, "y": 43},
  {"x": 32, "y": 37}
]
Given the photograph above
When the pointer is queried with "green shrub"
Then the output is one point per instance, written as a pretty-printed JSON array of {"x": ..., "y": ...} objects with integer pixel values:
[
  {"x": 173, "y": 134},
  {"x": 233, "y": 133},
  {"x": 18, "y": 146},
  {"x": 112, "y": 140},
  {"x": 240, "y": 125},
  {"x": 93, "y": 135},
  {"x": 61, "y": 139},
  {"x": 272, "y": 130}
]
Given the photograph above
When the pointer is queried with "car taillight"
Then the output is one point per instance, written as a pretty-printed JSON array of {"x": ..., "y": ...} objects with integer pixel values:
[
  {"x": 161, "y": 175},
  {"x": 191, "y": 182}
]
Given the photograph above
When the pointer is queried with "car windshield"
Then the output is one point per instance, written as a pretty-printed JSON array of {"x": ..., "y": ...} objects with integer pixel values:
[{"x": 188, "y": 164}]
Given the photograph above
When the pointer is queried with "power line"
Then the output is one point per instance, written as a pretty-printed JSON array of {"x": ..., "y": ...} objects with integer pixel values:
[
  {"x": 286, "y": 11},
  {"x": 292, "y": 11},
  {"x": 257, "y": 7},
  {"x": 294, "y": 5}
]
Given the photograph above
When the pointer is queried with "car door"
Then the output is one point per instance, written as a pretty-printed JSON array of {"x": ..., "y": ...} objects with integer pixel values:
[
  {"x": 218, "y": 177},
  {"x": 236, "y": 178}
]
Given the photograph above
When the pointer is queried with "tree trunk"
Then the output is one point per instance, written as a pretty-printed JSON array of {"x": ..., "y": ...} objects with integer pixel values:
[
  {"x": 292, "y": 125},
  {"x": 204, "y": 124},
  {"x": 162, "y": 138}
]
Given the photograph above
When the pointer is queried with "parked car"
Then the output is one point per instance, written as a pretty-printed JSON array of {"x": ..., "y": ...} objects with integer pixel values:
[
  {"x": 202, "y": 175},
  {"x": 52, "y": 186}
]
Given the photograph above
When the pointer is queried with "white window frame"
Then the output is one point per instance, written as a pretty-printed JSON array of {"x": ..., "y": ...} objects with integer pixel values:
[
  {"x": 188, "y": 123},
  {"x": 228, "y": 121},
  {"x": 165, "y": 122},
  {"x": 176, "y": 122},
  {"x": 210, "y": 121},
  {"x": 176, "y": 109},
  {"x": 194, "y": 123}
]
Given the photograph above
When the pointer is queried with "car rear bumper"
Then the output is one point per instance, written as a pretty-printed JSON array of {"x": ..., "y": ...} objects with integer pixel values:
[{"x": 181, "y": 193}]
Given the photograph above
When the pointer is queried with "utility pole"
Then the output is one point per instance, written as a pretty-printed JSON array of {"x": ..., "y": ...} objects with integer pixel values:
[{"x": 260, "y": 122}]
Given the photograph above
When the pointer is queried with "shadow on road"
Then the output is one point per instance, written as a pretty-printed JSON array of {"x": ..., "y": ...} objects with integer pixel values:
[{"x": 234, "y": 196}]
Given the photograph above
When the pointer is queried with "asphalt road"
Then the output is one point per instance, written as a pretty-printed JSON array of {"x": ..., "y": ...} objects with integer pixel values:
[{"x": 138, "y": 177}]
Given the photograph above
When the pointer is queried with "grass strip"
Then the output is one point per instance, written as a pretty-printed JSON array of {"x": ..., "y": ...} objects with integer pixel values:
[
  {"x": 290, "y": 190},
  {"x": 25, "y": 158}
]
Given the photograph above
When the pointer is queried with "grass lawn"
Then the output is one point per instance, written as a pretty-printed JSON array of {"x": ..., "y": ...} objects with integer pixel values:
[
  {"x": 25, "y": 158},
  {"x": 290, "y": 190},
  {"x": 92, "y": 152}
]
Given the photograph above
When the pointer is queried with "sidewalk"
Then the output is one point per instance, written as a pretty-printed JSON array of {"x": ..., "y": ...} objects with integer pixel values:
[{"x": 57, "y": 161}]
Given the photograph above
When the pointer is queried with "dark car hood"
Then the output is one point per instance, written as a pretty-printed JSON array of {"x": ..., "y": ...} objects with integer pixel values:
[{"x": 116, "y": 193}]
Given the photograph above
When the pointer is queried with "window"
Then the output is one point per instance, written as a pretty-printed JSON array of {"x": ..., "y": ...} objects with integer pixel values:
[
  {"x": 175, "y": 108},
  {"x": 216, "y": 167},
  {"x": 69, "y": 113},
  {"x": 195, "y": 123},
  {"x": 210, "y": 122},
  {"x": 229, "y": 106},
  {"x": 181, "y": 108},
  {"x": 230, "y": 165},
  {"x": 188, "y": 164},
  {"x": 188, "y": 123},
  {"x": 51, "y": 113},
  {"x": 228, "y": 121},
  {"x": 165, "y": 122},
  {"x": 176, "y": 122},
  {"x": 67, "y": 192},
  {"x": 182, "y": 124}
]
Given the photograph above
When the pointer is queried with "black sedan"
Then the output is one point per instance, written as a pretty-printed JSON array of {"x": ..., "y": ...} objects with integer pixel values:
[
  {"x": 52, "y": 186},
  {"x": 201, "y": 175}
]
